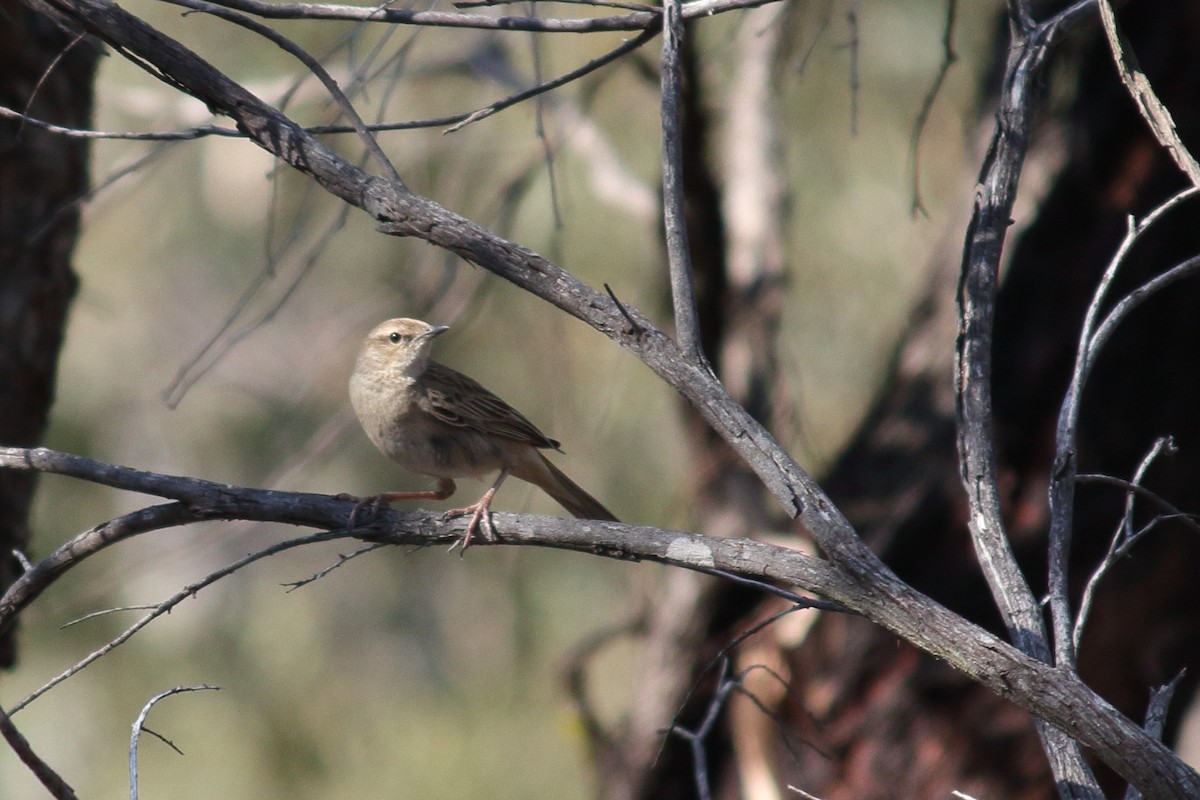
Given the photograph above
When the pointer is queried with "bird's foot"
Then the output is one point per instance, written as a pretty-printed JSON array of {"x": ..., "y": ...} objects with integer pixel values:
[
  {"x": 481, "y": 521},
  {"x": 374, "y": 503}
]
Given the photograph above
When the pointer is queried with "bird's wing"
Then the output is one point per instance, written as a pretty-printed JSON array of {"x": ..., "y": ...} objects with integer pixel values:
[{"x": 458, "y": 400}]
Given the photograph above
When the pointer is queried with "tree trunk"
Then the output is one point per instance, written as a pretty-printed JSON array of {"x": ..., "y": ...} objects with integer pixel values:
[{"x": 47, "y": 74}]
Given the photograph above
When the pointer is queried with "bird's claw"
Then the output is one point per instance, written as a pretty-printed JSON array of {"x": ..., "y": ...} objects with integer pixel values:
[
  {"x": 374, "y": 502},
  {"x": 481, "y": 521}
]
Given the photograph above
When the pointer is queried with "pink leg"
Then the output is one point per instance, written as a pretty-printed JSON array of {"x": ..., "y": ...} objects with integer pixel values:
[
  {"x": 445, "y": 487},
  {"x": 481, "y": 516}
]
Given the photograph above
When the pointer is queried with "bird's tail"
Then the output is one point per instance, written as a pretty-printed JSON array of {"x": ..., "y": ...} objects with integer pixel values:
[{"x": 569, "y": 494}]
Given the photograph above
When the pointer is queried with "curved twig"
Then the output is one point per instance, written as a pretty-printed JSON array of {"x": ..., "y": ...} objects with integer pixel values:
[
  {"x": 140, "y": 724},
  {"x": 171, "y": 602},
  {"x": 1093, "y": 336},
  {"x": 1122, "y": 539},
  {"x": 591, "y": 66}
]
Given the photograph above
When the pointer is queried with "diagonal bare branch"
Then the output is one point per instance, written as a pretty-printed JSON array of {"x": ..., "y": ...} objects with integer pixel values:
[
  {"x": 51, "y": 780},
  {"x": 1157, "y": 116}
]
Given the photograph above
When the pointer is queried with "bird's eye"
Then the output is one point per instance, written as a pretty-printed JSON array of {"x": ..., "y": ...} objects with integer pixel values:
[{"x": 394, "y": 337}]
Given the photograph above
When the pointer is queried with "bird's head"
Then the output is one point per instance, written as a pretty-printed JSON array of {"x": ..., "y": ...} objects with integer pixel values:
[{"x": 400, "y": 345}]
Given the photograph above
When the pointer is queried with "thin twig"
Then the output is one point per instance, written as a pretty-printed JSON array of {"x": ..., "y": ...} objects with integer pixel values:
[
  {"x": 1062, "y": 487},
  {"x": 637, "y": 20},
  {"x": 310, "y": 63},
  {"x": 131, "y": 168},
  {"x": 949, "y": 58},
  {"x": 805, "y": 795},
  {"x": 697, "y": 738},
  {"x": 798, "y": 601},
  {"x": 171, "y": 602},
  {"x": 224, "y": 339},
  {"x": 103, "y": 613},
  {"x": 721, "y": 661},
  {"x": 34, "y": 581},
  {"x": 139, "y": 726},
  {"x": 1122, "y": 539},
  {"x": 342, "y": 559},
  {"x": 635, "y": 328},
  {"x": 1062, "y": 490},
  {"x": 188, "y": 134},
  {"x": 1189, "y": 520},
  {"x": 591, "y": 66},
  {"x": 593, "y": 3}
]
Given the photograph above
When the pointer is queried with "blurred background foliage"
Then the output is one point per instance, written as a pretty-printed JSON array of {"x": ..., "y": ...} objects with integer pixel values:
[{"x": 418, "y": 674}]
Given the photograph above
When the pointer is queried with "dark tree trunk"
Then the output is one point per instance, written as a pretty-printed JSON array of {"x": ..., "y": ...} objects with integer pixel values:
[{"x": 47, "y": 74}]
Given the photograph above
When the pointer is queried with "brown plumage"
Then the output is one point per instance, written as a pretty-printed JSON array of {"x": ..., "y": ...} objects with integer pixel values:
[{"x": 435, "y": 421}]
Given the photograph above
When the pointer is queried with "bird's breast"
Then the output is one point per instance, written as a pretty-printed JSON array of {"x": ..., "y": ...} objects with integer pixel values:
[{"x": 392, "y": 417}]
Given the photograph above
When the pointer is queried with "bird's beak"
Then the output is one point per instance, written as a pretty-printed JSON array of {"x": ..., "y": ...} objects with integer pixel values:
[{"x": 436, "y": 330}]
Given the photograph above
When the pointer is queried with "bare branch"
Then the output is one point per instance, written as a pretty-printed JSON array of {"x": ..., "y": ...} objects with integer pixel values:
[
  {"x": 994, "y": 199},
  {"x": 1122, "y": 540},
  {"x": 171, "y": 602},
  {"x": 1056, "y": 696},
  {"x": 679, "y": 259},
  {"x": 995, "y": 195},
  {"x": 36, "y": 580},
  {"x": 726, "y": 685},
  {"x": 1161, "y": 123},
  {"x": 639, "y": 20},
  {"x": 137, "y": 136},
  {"x": 310, "y": 63},
  {"x": 55, "y": 785},
  {"x": 721, "y": 662},
  {"x": 696, "y": 738},
  {"x": 1093, "y": 337},
  {"x": 406, "y": 214},
  {"x": 140, "y": 723},
  {"x": 1156, "y": 718},
  {"x": 1191, "y": 521},
  {"x": 104, "y": 612},
  {"x": 612, "y": 55},
  {"x": 342, "y": 560}
]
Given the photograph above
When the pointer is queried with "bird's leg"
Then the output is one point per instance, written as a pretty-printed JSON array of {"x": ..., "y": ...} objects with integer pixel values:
[
  {"x": 445, "y": 487},
  {"x": 481, "y": 515}
]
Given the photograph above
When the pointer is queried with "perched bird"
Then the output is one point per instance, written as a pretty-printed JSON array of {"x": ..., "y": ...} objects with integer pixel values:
[{"x": 435, "y": 421}]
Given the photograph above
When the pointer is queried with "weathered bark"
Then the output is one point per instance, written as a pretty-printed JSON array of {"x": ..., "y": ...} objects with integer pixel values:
[{"x": 47, "y": 73}]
